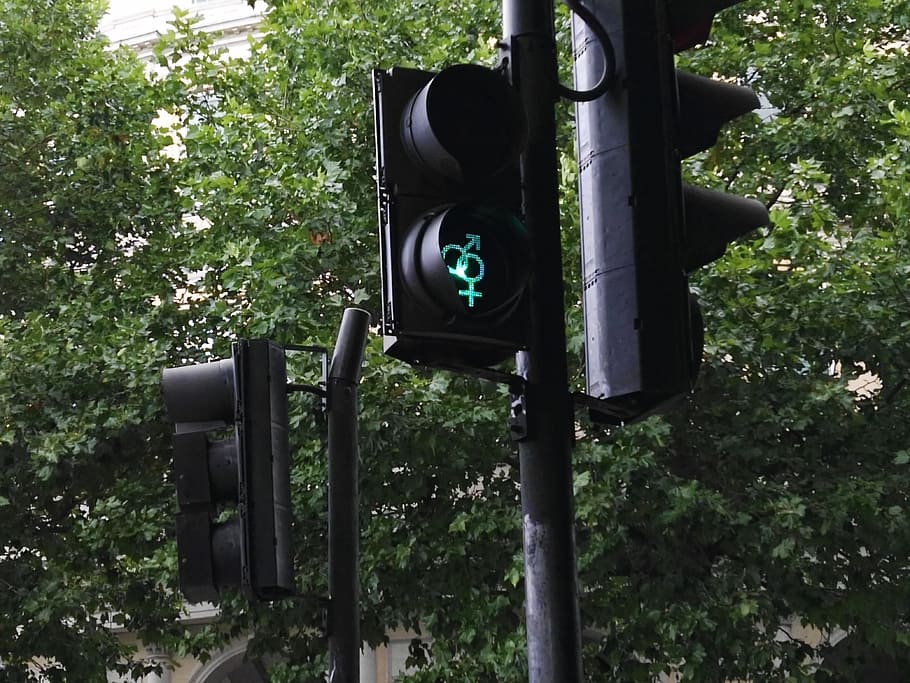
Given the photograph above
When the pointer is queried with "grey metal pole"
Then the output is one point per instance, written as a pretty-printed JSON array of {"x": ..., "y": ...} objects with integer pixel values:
[
  {"x": 344, "y": 498},
  {"x": 548, "y": 516}
]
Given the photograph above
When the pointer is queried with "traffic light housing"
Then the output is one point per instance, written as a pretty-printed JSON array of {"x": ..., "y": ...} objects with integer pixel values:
[
  {"x": 232, "y": 473},
  {"x": 455, "y": 256},
  {"x": 643, "y": 229}
]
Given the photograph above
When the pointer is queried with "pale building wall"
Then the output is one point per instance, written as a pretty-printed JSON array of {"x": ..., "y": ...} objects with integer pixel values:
[
  {"x": 140, "y": 23},
  {"x": 381, "y": 665}
]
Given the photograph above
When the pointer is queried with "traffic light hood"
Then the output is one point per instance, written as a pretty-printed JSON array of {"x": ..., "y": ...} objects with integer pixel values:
[
  {"x": 705, "y": 105},
  {"x": 467, "y": 124}
]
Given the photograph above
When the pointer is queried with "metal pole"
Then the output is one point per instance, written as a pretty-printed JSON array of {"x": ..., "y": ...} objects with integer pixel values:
[
  {"x": 548, "y": 516},
  {"x": 344, "y": 498}
]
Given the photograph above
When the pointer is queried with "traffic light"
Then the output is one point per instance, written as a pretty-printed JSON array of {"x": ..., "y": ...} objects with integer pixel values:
[
  {"x": 643, "y": 229},
  {"x": 455, "y": 256},
  {"x": 233, "y": 492}
]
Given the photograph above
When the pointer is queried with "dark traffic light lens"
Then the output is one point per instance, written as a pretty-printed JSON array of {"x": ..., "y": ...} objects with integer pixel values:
[
  {"x": 467, "y": 124},
  {"x": 200, "y": 393},
  {"x": 467, "y": 260}
]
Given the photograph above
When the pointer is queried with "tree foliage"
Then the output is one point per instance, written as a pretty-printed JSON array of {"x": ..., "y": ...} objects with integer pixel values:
[{"x": 150, "y": 216}]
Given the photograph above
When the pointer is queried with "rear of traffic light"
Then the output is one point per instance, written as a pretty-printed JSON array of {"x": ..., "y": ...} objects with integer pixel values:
[
  {"x": 455, "y": 257},
  {"x": 233, "y": 493},
  {"x": 643, "y": 230}
]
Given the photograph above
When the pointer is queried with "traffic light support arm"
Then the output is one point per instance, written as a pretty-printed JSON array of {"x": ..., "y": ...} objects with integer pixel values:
[{"x": 315, "y": 389}]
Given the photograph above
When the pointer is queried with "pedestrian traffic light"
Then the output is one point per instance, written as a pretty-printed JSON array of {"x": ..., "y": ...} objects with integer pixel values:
[
  {"x": 232, "y": 473},
  {"x": 455, "y": 256},
  {"x": 643, "y": 230}
]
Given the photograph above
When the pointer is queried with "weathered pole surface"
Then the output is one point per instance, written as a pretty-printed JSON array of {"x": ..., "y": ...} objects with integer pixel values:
[
  {"x": 344, "y": 498},
  {"x": 548, "y": 516}
]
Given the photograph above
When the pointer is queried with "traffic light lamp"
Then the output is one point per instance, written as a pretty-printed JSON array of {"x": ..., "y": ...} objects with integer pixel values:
[
  {"x": 232, "y": 472},
  {"x": 455, "y": 256},
  {"x": 643, "y": 229}
]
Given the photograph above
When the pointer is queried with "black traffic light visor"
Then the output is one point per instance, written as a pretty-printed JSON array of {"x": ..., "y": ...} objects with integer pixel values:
[{"x": 467, "y": 124}]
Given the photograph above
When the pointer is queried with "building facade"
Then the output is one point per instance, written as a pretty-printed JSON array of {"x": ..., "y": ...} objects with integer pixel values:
[
  {"x": 140, "y": 23},
  {"x": 231, "y": 665}
]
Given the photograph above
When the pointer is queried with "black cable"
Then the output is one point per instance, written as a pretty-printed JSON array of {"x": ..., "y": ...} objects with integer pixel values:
[{"x": 608, "y": 78}]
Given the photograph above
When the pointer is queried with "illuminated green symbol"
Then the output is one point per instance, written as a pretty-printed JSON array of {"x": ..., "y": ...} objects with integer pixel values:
[{"x": 468, "y": 268}]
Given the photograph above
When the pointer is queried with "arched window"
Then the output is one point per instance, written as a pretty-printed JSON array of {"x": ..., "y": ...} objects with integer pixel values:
[{"x": 231, "y": 666}]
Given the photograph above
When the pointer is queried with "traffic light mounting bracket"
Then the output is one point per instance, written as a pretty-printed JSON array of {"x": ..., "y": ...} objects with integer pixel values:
[{"x": 315, "y": 389}]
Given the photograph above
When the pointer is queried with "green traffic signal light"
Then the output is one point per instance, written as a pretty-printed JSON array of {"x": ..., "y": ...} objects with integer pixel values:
[
  {"x": 455, "y": 256},
  {"x": 466, "y": 260},
  {"x": 467, "y": 255}
]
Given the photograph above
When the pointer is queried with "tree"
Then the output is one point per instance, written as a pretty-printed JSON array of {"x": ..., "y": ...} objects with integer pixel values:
[
  {"x": 87, "y": 313},
  {"x": 777, "y": 491},
  {"x": 280, "y": 152}
]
